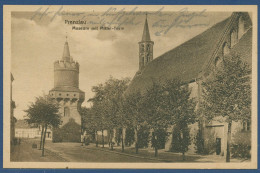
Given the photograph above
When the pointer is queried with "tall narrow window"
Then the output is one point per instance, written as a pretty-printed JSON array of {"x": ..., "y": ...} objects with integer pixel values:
[
  {"x": 142, "y": 47},
  {"x": 241, "y": 27},
  {"x": 66, "y": 112},
  {"x": 225, "y": 49},
  {"x": 148, "y": 48},
  {"x": 147, "y": 57},
  {"x": 233, "y": 38}
]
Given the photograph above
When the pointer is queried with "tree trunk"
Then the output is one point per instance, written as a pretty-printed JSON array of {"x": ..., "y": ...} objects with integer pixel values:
[
  {"x": 155, "y": 147},
  {"x": 41, "y": 137},
  {"x": 43, "y": 142},
  {"x": 183, "y": 156},
  {"x": 136, "y": 141},
  {"x": 96, "y": 138},
  {"x": 110, "y": 139},
  {"x": 228, "y": 141},
  {"x": 123, "y": 145},
  {"x": 181, "y": 129},
  {"x": 103, "y": 142}
]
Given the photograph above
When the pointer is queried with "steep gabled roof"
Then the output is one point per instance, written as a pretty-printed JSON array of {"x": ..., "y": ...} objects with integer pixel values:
[{"x": 185, "y": 61}]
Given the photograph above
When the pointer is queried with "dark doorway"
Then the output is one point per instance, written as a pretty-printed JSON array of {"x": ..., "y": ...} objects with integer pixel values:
[{"x": 218, "y": 146}]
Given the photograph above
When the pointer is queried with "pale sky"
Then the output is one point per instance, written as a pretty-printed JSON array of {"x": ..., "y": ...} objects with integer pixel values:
[{"x": 36, "y": 44}]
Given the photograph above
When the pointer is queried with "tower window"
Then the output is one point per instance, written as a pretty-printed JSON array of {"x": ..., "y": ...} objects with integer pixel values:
[
  {"x": 67, "y": 94},
  {"x": 142, "y": 47},
  {"x": 66, "y": 112},
  {"x": 148, "y": 47},
  {"x": 59, "y": 94}
]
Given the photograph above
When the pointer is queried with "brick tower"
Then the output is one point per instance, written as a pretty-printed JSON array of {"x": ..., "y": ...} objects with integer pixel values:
[
  {"x": 67, "y": 93},
  {"x": 145, "y": 47}
]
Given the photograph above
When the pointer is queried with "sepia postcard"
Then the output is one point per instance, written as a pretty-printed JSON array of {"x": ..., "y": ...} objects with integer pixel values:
[{"x": 130, "y": 86}]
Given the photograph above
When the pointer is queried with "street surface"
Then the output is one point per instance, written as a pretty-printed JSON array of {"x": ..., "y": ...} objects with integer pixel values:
[{"x": 75, "y": 152}]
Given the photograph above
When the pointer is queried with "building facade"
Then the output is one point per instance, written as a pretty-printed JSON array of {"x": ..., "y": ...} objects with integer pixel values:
[
  {"x": 66, "y": 92},
  {"x": 193, "y": 62},
  {"x": 25, "y": 130}
]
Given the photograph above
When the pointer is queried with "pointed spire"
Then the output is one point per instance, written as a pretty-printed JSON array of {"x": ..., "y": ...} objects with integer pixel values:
[
  {"x": 66, "y": 51},
  {"x": 146, "y": 34}
]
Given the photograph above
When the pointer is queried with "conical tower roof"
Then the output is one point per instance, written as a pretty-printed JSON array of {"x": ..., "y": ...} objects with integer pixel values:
[
  {"x": 146, "y": 34},
  {"x": 66, "y": 52}
]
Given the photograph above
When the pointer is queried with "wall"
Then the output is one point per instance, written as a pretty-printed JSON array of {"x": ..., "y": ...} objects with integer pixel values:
[
  {"x": 66, "y": 74},
  {"x": 73, "y": 108}
]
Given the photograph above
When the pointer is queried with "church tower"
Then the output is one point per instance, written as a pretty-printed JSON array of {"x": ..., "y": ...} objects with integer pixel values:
[
  {"x": 67, "y": 94},
  {"x": 145, "y": 47}
]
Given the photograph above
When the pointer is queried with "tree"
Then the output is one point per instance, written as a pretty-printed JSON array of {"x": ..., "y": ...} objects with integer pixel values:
[
  {"x": 227, "y": 93},
  {"x": 181, "y": 107},
  {"x": 129, "y": 136},
  {"x": 34, "y": 116},
  {"x": 89, "y": 121},
  {"x": 98, "y": 121},
  {"x": 108, "y": 100},
  {"x": 169, "y": 104},
  {"x": 43, "y": 112},
  {"x": 114, "y": 89},
  {"x": 123, "y": 122},
  {"x": 157, "y": 117},
  {"x": 97, "y": 111},
  {"x": 133, "y": 111}
]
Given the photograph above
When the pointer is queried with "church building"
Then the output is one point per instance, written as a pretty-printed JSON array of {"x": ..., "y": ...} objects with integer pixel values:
[
  {"x": 192, "y": 62},
  {"x": 66, "y": 92}
]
